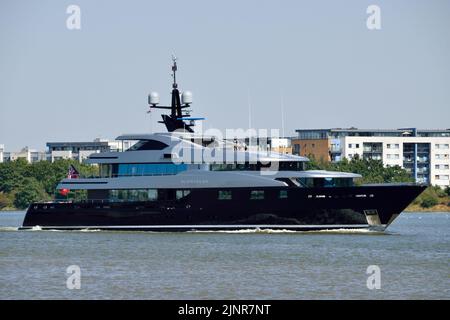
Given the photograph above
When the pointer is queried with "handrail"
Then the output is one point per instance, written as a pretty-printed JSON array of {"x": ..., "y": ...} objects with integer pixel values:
[
  {"x": 89, "y": 201},
  {"x": 123, "y": 175}
]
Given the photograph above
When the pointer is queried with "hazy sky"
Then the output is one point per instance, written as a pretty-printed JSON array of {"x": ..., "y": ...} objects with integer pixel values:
[{"x": 75, "y": 85}]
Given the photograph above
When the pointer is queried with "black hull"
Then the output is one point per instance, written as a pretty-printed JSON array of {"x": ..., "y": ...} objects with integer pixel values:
[{"x": 304, "y": 209}]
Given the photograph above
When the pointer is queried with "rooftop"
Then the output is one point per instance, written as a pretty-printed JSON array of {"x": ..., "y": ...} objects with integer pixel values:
[
  {"x": 353, "y": 129},
  {"x": 77, "y": 144},
  {"x": 341, "y": 132}
]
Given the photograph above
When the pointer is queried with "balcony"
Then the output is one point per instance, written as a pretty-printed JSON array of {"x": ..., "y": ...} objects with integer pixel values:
[{"x": 335, "y": 149}]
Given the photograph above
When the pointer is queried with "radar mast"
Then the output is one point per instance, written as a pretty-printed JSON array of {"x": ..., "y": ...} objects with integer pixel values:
[{"x": 179, "y": 113}]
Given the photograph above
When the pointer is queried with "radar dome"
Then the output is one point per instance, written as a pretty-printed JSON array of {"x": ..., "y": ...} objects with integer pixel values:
[
  {"x": 186, "y": 97},
  {"x": 153, "y": 98}
]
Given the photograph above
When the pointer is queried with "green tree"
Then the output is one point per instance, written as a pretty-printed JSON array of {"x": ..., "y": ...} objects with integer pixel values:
[
  {"x": 5, "y": 201},
  {"x": 428, "y": 201},
  {"x": 50, "y": 174},
  {"x": 30, "y": 191},
  {"x": 447, "y": 190},
  {"x": 12, "y": 174}
]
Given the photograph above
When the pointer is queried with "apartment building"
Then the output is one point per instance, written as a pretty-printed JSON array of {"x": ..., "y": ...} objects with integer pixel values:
[
  {"x": 30, "y": 155},
  {"x": 2, "y": 149},
  {"x": 424, "y": 153},
  {"x": 80, "y": 151}
]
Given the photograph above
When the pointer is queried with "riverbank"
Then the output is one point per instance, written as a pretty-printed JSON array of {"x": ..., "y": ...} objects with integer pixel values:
[{"x": 440, "y": 208}]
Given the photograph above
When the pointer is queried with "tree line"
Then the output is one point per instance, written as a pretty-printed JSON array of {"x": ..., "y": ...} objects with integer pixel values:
[{"x": 22, "y": 183}]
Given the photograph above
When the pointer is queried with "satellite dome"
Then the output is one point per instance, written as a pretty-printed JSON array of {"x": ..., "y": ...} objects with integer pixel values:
[
  {"x": 153, "y": 98},
  {"x": 186, "y": 97}
]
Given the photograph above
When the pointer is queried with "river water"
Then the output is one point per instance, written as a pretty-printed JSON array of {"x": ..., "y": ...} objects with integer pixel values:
[{"x": 413, "y": 259}]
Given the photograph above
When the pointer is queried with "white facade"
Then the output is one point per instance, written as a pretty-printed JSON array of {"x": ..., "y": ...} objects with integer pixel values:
[
  {"x": 280, "y": 142},
  {"x": 436, "y": 160},
  {"x": 80, "y": 156},
  {"x": 30, "y": 155},
  {"x": 80, "y": 151},
  {"x": 59, "y": 155}
]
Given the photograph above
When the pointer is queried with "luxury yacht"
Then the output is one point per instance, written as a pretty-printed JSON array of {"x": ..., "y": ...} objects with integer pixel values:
[{"x": 183, "y": 181}]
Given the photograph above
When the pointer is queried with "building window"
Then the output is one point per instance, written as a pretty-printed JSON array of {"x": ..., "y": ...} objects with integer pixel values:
[
  {"x": 357, "y": 145},
  {"x": 372, "y": 150},
  {"x": 441, "y": 156},
  {"x": 393, "y": 156},
  {"x": 296, "y": 149},
  {"x": 257, "y": 195},
  {"x": 224, "y": 195},
  {"x": 283, "y": 194}
]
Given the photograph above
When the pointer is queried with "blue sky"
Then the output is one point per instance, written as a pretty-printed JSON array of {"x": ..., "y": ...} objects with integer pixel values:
[{"x": 75, "y": 85}]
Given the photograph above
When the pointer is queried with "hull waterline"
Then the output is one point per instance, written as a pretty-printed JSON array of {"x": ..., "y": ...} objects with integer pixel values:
[{"x": 304, "y": 209}]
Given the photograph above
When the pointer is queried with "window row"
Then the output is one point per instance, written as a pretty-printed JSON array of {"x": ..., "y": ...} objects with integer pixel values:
[
  {"x": 393, "y": 146},
  {"x": 254, "y": 195},
  {"x": 141, "y": 169},
  {"x": 147, "y": 194},
  {"x": 280, "y": 166},
  {"x": 441, "y": 156},
  {"x": 393, "y": 156}
]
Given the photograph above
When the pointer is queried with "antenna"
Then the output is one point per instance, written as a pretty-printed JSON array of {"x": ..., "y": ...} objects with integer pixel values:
[
  {"x": 176, "y": 119},
  {"x": 249, "y": 102},
  {"x": 282, "y": 113},
  {"x": 174, "y": 69}
]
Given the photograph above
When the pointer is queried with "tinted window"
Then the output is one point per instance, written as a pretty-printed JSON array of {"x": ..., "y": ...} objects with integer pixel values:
[
  {"x": 257, "y": 195},
  {"x": 283, "y": 194},
  {"x": 148, "y": 145},
  {"x": 224, "y": 195}
]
